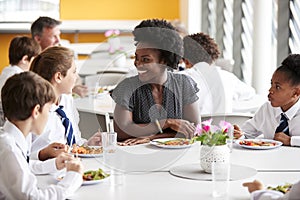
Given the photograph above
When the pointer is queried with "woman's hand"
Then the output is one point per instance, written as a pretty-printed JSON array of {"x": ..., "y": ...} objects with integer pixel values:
[
  {"x": 253, "y": 186},
  {"x": 181, "y": 126},
  {"x": 237, "y": 133},
  {"x": 134, "y": 141},
  {"x": 282, "y": 137}
]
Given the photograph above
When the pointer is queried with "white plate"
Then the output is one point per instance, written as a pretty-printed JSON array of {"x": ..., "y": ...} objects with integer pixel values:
[
  {"x": 94, "y": 181},
  {"x": 90, "y": 155},
  {"x": 277, "y": 144},
  {"x": 60, "y": 177},
  {"x": 158, "y": 143}
]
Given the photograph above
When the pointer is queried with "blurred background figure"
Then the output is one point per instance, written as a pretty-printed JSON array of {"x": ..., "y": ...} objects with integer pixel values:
[
  {"x": 46, "y": 32},
  {"x": 21, "y": 52},
  {"x": 219, "y": 89}
]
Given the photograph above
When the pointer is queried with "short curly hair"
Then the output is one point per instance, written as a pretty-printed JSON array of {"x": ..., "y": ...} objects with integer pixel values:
[
  {"x": 200, "y": 47},
  {"x": 163, "y": 36},
  {"x": 291, "y": 67}
]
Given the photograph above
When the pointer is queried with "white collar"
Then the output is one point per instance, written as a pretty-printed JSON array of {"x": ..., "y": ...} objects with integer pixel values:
[{"x": 291, "y": 112}]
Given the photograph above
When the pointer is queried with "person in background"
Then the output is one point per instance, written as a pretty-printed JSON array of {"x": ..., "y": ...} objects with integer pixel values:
[
  {"x": 218, "y": 88},
  {"x": 279, "y": 118},
  {"x": 257, "y": 191},
  {"x": 57, "y": 65},
  {"x": 155, "y": 97},
  {"x": 46, "y": 32},
  {"x": 27, "y": 99},
  {"x": 21, "y": 52}
]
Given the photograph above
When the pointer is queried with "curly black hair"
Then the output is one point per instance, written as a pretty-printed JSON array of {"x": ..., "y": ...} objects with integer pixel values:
[
  {"x": 291, "y": 67},
  {"x": 162, "y": 35},
  {"x": 200, "y": 47}
]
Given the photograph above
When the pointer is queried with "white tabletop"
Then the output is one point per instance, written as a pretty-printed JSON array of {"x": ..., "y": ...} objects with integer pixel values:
[
  {"x": 162, "y": 185},
  {"x": 102, "y": 105},
  {"x": 98, "y": 65},
  {"x": 83, "y": 48}
]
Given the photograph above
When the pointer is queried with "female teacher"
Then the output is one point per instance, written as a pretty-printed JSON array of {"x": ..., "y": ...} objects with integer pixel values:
[{"x": 156, "y": 103}]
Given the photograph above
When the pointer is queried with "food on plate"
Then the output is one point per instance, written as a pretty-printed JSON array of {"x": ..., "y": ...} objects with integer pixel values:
[
  {"x": 281, "y": 188},
  {"x": 86, "y": 149},
  {"x": 257, "y": 143},
  {"x": 175, "y": 142},
  {"x": 92, "y": 175}
]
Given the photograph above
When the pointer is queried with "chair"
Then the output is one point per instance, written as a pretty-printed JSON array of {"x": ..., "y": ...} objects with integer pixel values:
[{"x": 233, "y": 118}]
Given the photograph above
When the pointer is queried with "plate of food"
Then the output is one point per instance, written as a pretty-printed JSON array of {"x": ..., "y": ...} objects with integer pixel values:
[
  {"x": 91, "y": 177},
  {"x": 259, "y": 144},
  {"x": 172, "y": 143},
  {"x": 87, "y": 151}
]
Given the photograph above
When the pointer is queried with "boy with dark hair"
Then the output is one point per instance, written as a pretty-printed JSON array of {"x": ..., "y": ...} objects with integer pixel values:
[{"x": 26, "y": 99}]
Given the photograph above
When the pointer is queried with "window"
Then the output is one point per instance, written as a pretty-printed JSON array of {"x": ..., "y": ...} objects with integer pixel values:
[{"x": 27, "y": 10}]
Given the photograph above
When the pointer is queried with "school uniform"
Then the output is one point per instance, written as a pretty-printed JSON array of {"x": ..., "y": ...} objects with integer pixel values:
[
  {"x": 54, "y": 130},
  {"x": 17, "y": 178},
  {"x": 267, "y": 119},
  {"x": 218, "y": 88}
]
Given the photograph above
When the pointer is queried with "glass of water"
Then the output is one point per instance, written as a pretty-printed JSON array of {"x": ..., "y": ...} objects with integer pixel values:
[{"x": 220, "y": 178}]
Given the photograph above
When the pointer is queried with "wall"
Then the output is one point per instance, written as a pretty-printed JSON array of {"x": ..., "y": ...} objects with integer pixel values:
[{"x": 101, "y": 10}]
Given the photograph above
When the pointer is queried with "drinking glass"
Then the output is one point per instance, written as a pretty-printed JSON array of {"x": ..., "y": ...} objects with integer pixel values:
[
  {"x": 110, "y": 157},
  {"x": 220, "y": 178}
]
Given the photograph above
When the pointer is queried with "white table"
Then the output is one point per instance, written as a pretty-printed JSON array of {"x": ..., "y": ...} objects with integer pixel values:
[
  {"x": 92, "y": 113},
  {"x": 162, "y": 185},
  {"x": 98, "y": 65},
  {"x": 89, "y": 48}
]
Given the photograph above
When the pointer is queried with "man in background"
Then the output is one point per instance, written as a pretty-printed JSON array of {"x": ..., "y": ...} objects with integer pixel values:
[{"x": 46, "y": 32}]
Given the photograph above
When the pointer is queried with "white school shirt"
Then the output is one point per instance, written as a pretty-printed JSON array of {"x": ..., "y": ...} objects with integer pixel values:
[
  {"x": 267, "y": 119},
  {"x": 293, "y": 194},
  {"x": 219, "y": 89},
  {"x": 8, "y": 72},
  {"x": 17, "y": 181},
  {"x": 54, "y": 130}
]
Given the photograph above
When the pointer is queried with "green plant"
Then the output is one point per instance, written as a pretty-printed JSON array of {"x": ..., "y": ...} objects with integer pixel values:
[{"x": 212, "y": 135}]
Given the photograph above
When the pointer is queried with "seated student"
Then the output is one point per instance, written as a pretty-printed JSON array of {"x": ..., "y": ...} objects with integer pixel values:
[
  {"x": 21, "y": 52},
  {"x": 27, "y": 99},
  {"x": 56, "y": 65},
  {"x": 258, "y": 193},
  {"x": 155, "y": 93},
  {"x": 219, "y": 89},
  {"x": 279, "y": 119}
]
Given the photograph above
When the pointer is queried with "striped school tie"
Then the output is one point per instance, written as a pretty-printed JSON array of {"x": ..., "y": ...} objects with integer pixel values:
[
  {"x": 283, "y": 125},
  {"x": 68, "y": 126}
]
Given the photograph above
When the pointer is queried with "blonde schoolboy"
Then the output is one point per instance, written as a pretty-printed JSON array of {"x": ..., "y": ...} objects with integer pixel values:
[{"x": 27, "y": 99}]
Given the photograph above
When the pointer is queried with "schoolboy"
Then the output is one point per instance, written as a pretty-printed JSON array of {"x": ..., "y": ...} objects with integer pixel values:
[{"x": 26, "y": 99}]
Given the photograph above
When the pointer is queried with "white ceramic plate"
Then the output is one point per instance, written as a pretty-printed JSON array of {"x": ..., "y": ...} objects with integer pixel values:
[
  {"x": 92, "y": 182},
  {"x": 160, "y": 143},
  {"x": 90, "y": 155},
  {"x": 277, "y": 144}
]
